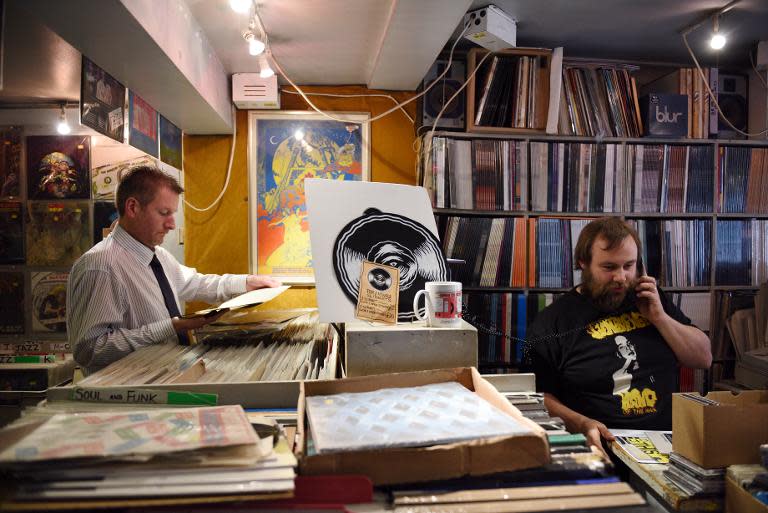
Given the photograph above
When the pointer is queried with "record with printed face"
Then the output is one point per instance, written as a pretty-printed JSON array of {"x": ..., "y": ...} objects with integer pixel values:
[{"x": 392, "y": 240}]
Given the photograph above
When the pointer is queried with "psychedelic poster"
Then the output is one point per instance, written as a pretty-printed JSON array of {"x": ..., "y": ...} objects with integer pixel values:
[
  {"x": 286, "y": 148},
  {"x": 57, "y": 233},
  {"x": 102, "y": 101},
  {"x": 10, "y": 161},
  {"x": 58, "y": 167},
  {"x": 170, "y": 143},
  {"x": 142, "y": 123},
  {"x": 49, "y": 302},
  {"x": 11, "y": 303}
]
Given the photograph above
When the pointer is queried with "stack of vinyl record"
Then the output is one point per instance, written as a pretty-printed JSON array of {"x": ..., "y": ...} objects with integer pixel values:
[{"x": 693, "y": 479}]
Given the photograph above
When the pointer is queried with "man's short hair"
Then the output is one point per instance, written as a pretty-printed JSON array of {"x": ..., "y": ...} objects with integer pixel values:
[
  {"x": 613, "y": 229},
  {"x": 142, "y": 183}
]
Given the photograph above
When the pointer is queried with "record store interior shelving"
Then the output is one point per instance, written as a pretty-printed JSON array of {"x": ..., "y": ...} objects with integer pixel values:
[{"x": 730, "y": 198}]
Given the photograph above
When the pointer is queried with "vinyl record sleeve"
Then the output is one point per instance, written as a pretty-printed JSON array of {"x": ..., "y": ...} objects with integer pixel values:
[
  {"x": 57, "y": 233},
  {"x": 11, "y": 303},
  {"x": 11, "y": 233},
  {"x": 49, "y": 302},
  {"x": 58, "y": 167}
]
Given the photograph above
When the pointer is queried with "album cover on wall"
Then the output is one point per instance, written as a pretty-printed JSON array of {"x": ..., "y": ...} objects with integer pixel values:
[
  {"x": 49, "y": 302},
  {"x": 104, "y": 214},
  {"x": 58, "y": 167},
  {"x": 102, "y": 101},
  {"x": 11, "y": 303},
  {"x": 11, "y": 233},
  {"x": 10, "y": 161},
  {"x": 142, "y": 125},
  {"x": 170, "y": 143},
  {"x": 57, "y": 233},
  {"x": 104, "y": 179}
]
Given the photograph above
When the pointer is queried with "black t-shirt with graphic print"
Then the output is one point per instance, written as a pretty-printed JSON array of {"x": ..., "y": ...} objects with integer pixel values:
[{"x": 618, "y": 370}]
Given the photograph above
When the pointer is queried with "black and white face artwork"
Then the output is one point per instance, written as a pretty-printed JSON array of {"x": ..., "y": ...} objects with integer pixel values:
[{"x": 393, "y": 240}]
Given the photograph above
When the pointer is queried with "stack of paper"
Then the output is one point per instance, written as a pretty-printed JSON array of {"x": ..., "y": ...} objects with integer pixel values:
[{"x": 144, "y": 453}]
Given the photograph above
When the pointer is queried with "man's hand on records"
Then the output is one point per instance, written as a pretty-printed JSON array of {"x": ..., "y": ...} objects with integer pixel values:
[
  {"x": 259, "y": 281},
  {"x": 184, "y": 324},
  {"x": 594, "y": 431}
]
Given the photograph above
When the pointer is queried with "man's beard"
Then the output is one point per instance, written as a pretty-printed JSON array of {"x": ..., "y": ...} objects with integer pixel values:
[{"x": 605, "y": 299}]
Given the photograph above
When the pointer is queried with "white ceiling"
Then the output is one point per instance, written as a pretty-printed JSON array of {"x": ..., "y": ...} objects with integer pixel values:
[{"x": 387, "y": 44}]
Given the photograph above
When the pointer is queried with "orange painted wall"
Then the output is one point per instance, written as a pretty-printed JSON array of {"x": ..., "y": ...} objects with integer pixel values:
[{"x": 216, "y": 241}]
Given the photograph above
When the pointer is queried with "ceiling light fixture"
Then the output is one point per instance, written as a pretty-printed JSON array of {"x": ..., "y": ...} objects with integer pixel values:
[
  {"x": 63, "y": 127},
  {"x": 718, "y": 40},
  {"x": 256, "y": 45},
  {"x": 265, "y": 71},
  {"x": 241, "y": 6}
]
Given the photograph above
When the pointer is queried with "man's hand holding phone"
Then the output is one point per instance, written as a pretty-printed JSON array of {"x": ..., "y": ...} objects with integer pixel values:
[{"x": 648, "y": 300}]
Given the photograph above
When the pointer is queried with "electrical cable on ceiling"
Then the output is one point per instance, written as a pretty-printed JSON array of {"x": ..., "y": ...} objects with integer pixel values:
[
  {"x": 425, "y": 148},
  {"x": 386, "y": 113},
  {"x": 334, "y": 95},
  {"x": 712, "y": 96},
  {"x": 757, "y": 72},
  {"x": 229, "y": 169},
  {"x": 714, "y": 16}
]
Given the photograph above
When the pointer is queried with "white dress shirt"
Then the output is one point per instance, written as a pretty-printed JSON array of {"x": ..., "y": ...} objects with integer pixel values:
[{"x": 114, "y": 303}]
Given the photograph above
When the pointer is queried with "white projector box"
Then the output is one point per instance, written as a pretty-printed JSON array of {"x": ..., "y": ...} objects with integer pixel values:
[{"x": 250, "y": 91}]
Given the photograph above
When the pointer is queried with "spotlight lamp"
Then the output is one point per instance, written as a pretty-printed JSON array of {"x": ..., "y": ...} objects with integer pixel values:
[
  {"x": 265, "y": 71},
  {"x": 241, "y": 6},
  {"x": 255, "y": 45},
  {"x": 63, "y": 127},
  {"x": 718, "y": 40}
]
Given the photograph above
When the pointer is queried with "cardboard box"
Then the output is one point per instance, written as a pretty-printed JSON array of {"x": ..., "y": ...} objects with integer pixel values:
[
  {"x": 715, "y": 436},
  {"x": 407, "y": 347},
  {"x": 414, "y": 464},
  {"x": 738, "y": 500},
  {"x": 665, "y": 115}
]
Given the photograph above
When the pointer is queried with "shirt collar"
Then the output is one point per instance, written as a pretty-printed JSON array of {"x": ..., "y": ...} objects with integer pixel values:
[{"x": 142, "y": 253}]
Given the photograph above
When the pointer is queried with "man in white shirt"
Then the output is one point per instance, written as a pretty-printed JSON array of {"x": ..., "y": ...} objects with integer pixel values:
[{"x": 123, "y": 294}]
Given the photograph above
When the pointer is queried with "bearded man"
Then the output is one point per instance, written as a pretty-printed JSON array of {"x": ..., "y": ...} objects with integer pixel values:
[{"x": 572, "y": 344}]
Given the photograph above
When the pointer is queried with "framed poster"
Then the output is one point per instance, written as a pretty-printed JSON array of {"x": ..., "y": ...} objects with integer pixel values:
[
  {"x": 58, "y": 166},
  {"x": 284, "y": 148},
  {"x": 170, "y": 143},
  {"x": 102, "y": 101},
  {"x": 142, "y": 125}
]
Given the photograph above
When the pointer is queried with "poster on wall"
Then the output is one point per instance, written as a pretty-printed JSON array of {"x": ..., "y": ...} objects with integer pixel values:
[
  {"x": 284, "y": 149},
  {"x": 170, "y": 143},
  {"x": 49, "y": 302},
  {"x": 11, "y": 303},
  {"x": 57, "y": 233},
  {"x": 104, "y": 179},
  {"x": 58, "y": 167},
  {"x": 142, "y": 125},
  {"x": 10, "y": 161},
  {"x": 102, "y": 101},
  {"x": 11, "y": 234}
]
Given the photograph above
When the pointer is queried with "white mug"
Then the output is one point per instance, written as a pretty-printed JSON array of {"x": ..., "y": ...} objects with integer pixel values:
[{"x": 443, "y": 304}]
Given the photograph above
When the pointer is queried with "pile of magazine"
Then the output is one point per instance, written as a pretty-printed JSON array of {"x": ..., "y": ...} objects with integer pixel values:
[
  {"x": 130, "y": 453},
  {"x": 693, "y": 479}
]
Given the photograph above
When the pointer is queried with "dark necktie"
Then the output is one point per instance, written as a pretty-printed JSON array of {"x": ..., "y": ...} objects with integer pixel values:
[{"x": 168, "y": 299}]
